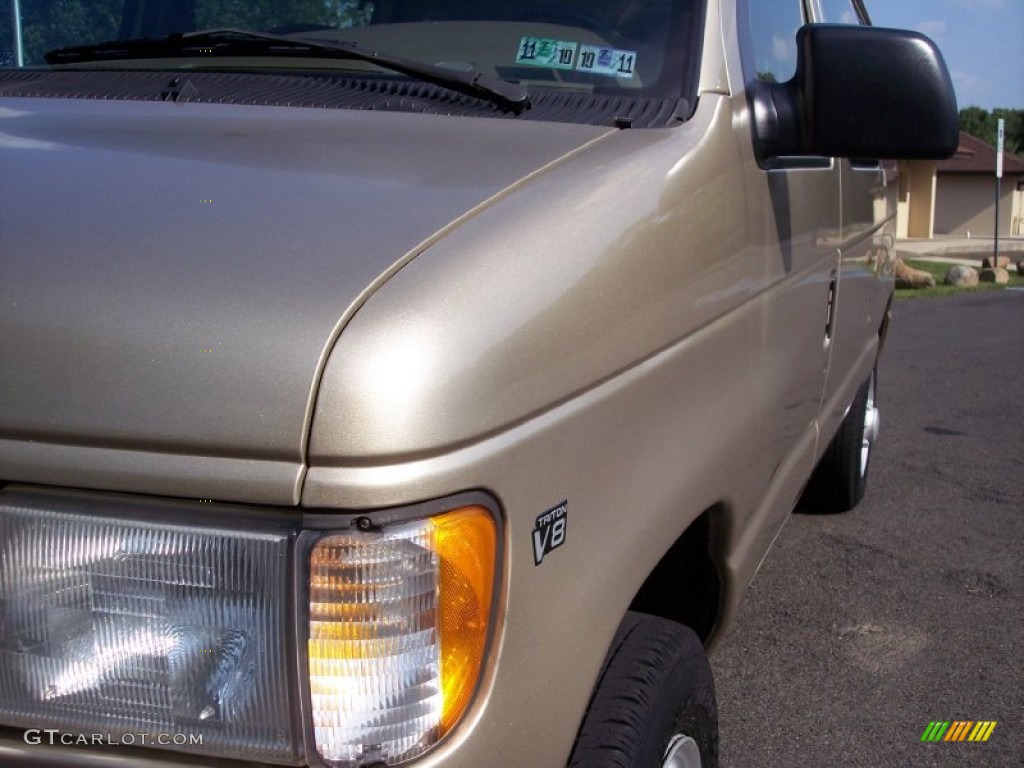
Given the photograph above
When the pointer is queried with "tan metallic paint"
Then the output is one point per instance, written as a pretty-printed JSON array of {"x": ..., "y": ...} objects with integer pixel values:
[
  {"x": 635, "y": 325},
  {"x": 168, "y": 307}
]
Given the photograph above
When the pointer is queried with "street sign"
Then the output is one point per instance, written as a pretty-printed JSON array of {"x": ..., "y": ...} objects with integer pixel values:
[
  {"x": 1000, "y": 138},
  {"x": 1000, "y": 133}
]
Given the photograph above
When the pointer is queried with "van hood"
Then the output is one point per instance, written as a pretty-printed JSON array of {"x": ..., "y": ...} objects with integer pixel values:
[{"x": 172, "y": 276}]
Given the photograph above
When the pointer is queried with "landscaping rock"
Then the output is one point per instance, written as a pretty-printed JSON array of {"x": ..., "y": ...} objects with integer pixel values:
[
  {"x": 999, "y": 276},
  {"x": 911, "y": 278},
  {"x": 961, "y": 276},
  {"x": 1002, "y": 262}
]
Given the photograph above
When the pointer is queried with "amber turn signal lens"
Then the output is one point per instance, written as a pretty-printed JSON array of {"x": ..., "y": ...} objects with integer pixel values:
[
  {"x": 465, "y": 542},
  {"x": 398, "y": 626}
]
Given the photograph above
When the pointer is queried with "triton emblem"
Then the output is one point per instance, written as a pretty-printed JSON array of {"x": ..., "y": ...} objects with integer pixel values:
[{"x": 549, "y": 531}]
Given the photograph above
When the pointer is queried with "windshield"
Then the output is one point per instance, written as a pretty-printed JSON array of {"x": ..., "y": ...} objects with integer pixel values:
[{"x": 636, "y": 48}]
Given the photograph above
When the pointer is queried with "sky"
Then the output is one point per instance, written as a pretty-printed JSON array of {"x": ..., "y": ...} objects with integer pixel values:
[{"x": 981, "y": 40}]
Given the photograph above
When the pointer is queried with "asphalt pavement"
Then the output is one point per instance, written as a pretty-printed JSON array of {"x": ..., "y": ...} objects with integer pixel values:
[{"x": 862, "y": 628}]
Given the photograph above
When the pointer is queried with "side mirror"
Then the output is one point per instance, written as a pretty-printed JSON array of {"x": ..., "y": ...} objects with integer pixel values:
[{"x": 859, "y": 92}]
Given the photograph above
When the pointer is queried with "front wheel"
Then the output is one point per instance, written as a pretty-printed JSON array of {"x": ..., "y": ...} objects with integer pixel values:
[{"x": 654, "y": 706}]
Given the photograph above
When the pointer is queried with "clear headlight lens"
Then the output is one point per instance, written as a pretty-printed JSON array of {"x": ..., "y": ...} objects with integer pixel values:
[
  {"x": 113, "y": 625},
  {"x": 118, "y": 618},
  {"x": 398, "y": 624}
]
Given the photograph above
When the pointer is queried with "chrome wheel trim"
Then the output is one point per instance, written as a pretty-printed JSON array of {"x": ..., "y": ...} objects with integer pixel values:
[
  {"x": 682, "y": 752},
  {"x": 871, "y": 423}
]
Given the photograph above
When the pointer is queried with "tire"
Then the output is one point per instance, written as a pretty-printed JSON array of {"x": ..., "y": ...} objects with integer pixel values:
[
  {"x": 841, "y": 477},
  {"x": 654, "y": 706}
]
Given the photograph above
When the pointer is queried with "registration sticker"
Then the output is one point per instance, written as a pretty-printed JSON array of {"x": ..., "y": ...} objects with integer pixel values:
[
  {"x": 610, "y": 62},
  {"x": 544, "y": 52}
]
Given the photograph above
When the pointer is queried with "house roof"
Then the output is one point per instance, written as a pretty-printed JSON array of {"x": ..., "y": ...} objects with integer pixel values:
[{"x": 975, "y": 156}]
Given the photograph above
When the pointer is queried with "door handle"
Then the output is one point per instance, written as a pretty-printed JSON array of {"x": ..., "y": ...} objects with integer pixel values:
[{"x": 830, "y": 315}]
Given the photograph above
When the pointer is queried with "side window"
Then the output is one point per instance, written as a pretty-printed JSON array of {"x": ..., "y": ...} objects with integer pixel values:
[
  {"x": 840, "y": 12},
  {"x": 773, "y": 26}
]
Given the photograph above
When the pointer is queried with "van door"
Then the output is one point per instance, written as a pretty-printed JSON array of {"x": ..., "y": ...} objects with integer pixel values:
[
  {"x": 793, "y": 218},
  {"x": 864, "y": 244}
]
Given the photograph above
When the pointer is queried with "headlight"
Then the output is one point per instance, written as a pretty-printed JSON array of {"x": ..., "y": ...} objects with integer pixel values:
[
  {"x": 398, "y": 624},
  {"x": 115, "y": 625},
  {"x": 117, "y": 616}
]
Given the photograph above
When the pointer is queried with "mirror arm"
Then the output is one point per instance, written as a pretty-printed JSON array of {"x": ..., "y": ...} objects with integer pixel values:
[{"x": 777, "y": 119}]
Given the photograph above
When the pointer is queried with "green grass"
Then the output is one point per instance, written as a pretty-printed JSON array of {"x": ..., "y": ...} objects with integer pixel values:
[{"x": 938, "y": 271}]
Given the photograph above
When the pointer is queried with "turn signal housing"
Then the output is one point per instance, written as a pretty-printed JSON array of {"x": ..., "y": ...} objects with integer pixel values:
[{"x": 399, "y": 620}]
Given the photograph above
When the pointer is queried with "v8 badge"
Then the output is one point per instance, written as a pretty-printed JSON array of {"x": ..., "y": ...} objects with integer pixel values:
[{"x": 549, "y": 531}]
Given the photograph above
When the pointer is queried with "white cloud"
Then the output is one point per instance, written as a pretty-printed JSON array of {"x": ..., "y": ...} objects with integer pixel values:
[
  {"x": 971, "y": 90},
  {"x": 981, "y": 3},
  {"x": 934, "y": 28},
  {"x": 784, "y": 49}
]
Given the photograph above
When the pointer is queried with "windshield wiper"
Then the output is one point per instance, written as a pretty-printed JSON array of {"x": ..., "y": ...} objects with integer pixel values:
[{"x": 511, "y": 97}]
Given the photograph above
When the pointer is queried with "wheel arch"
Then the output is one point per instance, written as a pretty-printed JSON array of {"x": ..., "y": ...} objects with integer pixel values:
[{"x": 686, "y": 585}]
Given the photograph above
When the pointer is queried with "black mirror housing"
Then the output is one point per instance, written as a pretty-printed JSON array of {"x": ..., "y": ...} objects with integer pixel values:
[{"x": 859, "y": 92}]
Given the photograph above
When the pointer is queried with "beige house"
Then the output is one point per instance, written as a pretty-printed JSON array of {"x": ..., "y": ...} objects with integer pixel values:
[{"x": 957, "y": 196}]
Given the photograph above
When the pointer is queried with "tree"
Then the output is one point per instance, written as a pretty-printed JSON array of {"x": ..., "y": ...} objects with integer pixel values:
[
  {"x": 981, "y": 124},
  {"x": 50, "y": 24}
]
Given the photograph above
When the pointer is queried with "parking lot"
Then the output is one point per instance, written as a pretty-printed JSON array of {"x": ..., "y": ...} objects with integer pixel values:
[{"x": 860, "y": 629}]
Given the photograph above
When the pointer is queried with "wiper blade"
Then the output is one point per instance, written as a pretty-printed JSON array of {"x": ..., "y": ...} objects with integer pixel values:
[{"x": 511, "y": 97}]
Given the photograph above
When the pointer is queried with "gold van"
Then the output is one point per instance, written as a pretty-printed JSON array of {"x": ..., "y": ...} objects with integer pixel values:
[{"x": 421, "y": 382}]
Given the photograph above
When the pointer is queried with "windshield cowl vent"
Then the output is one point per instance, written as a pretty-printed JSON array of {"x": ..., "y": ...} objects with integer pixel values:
[{"x": 328, "y": 91}]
